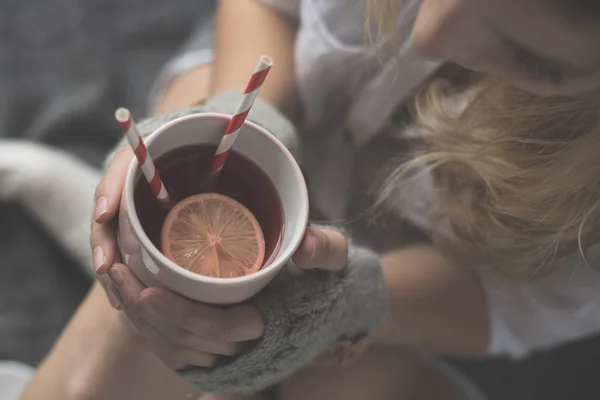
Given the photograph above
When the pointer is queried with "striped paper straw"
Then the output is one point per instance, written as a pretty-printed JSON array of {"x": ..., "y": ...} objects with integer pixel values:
[
  {"x": 123, "y": 117},
  {"x": 237, "y": 120}
]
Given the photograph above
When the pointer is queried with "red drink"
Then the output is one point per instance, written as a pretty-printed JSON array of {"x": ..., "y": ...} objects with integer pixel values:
[{"x": 183, "y": 171}]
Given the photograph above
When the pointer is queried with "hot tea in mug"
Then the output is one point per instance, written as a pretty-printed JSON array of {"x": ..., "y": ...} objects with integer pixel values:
[{"x": 183, "y": 170}]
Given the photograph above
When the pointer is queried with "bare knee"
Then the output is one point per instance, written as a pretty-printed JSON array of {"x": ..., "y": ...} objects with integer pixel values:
[{"x": 190, "y": 87}]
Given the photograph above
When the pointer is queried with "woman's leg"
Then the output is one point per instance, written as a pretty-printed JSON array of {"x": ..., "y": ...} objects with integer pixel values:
[
  {"x": 188, "y": 88},
  {"x": 380, "y": 374},
  {"x": 99, "y": 357}
]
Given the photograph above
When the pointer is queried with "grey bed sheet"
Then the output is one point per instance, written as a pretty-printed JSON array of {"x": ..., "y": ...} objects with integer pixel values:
[{"x": 64, "y": 67}]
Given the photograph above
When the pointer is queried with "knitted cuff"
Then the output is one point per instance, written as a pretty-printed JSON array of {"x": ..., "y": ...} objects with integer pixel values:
[
  {"x": 262, "y": 114},
  {"x": 305, "y": 312}
]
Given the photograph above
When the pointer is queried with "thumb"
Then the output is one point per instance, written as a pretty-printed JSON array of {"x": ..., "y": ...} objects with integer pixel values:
[{"x": 323, "y": 249}]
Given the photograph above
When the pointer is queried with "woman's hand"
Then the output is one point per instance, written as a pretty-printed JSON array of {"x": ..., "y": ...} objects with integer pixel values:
[
  {"x": 322, "y": 248},
  {"x": 103, "y": 237},
  {"x": 181, "y": 331}
]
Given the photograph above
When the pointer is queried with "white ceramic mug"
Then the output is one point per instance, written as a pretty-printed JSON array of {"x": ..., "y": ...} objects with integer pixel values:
[{"x": 155, "y": 269}]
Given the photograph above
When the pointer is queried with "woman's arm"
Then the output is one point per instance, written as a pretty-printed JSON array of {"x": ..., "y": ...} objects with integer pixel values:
[
  {"x": 434, "y": 305},
  {"x": 245, "y": 30}
]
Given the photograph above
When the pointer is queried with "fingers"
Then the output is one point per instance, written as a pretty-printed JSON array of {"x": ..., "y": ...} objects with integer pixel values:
[
  {"x": 127, "y": 288},
  {"x": 108, "y": 192},
  {"x": 236, "y": 324},
  {"x": 104, "y": 281},
  {"x": 103, "y": 238},
  {"x": 175, "y": 356},
  {"x": 322, "y": 249},
  {"x": 183, "y": 323}
]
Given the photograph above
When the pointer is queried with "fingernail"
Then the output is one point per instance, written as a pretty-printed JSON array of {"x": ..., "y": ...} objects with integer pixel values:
[
  {"x": 116, "y": 276},
  {"x": 99, "y": 259},
  {"x": 113, "y": 298},
  {"x": 101, "y": 207}
]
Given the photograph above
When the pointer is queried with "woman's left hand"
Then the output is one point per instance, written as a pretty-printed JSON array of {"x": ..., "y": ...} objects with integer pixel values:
[{"x": 183, "y": 332}]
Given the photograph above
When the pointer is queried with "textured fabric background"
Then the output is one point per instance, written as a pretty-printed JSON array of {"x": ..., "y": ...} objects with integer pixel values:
[{"x": 65, "y": 65}]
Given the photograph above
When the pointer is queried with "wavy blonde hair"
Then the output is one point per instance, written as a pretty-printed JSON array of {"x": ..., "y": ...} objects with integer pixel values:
[{"x": 516, "y": 175}]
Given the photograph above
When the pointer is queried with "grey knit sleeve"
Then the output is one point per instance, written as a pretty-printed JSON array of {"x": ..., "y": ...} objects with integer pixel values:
[
  {"x": 305, "y": 312},
  {"x": 261, "y": 113}
]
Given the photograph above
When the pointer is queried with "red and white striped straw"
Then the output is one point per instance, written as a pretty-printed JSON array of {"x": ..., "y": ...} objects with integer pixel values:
[
  {"x": 237, "y": 120},
  {"x": 129, "y": 128}
]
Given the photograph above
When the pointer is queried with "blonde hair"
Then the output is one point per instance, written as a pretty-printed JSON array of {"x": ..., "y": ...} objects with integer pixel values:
[{"x": 516, "y": 175}]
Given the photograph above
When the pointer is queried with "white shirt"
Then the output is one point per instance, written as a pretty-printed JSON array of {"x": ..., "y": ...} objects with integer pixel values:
[{"x": 344, "y": 88}]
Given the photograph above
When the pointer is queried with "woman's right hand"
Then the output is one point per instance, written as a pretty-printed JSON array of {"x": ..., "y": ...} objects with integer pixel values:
[
  {"x": 176, "y": 346},
  {"x": 103, "y": 238}
]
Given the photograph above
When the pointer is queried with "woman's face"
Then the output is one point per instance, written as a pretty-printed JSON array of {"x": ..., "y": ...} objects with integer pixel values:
[{"x": 543, "y": 46}]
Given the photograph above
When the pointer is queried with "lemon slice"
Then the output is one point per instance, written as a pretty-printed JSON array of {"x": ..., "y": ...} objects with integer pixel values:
[{"x": 213, "y": 235}]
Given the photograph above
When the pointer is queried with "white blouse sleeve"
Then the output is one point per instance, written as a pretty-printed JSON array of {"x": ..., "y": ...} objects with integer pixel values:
[
  {"x": 289, "y": 8},
  {"x": 559, "y": 308}
]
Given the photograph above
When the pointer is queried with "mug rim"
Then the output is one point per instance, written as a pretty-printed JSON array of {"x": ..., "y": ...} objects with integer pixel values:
[{"x": 138, "y": 231}]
